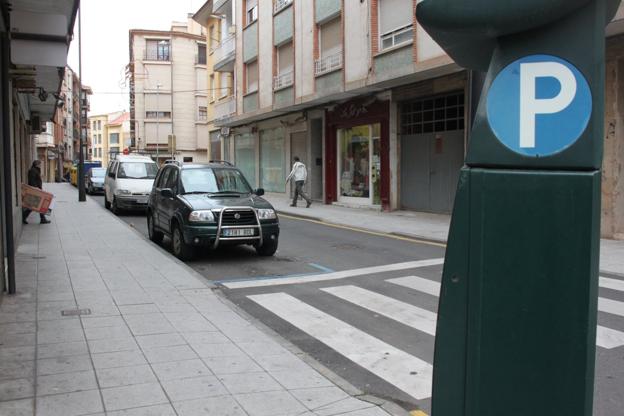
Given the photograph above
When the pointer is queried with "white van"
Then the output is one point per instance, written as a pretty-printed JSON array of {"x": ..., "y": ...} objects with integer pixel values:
[{"x": 128, "y": 183}]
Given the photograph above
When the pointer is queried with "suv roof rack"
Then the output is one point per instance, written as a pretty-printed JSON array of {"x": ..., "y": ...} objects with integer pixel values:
[
  {"x": 172, "y": 162},
  {"x": 223, "y": 162}
]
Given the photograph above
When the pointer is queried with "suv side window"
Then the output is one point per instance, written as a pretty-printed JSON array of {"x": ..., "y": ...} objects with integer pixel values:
[
  {"x": 172, "y": 180},
  {"x": 162, "y": 182}
]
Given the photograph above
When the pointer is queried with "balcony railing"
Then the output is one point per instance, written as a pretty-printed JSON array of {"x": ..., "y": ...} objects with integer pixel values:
[
  {"x": 162, "y": 56},
  {"x": 280, "y": 4},
  {"x": 225, "y": 49},
  {"x": 283, "y": 80},
  {"x": 328, "y": 63},
  {"x": 225, "y": 108}
]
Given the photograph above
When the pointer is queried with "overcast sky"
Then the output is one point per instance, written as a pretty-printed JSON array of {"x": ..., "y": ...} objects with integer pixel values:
[{"x": 105, "y": 26}]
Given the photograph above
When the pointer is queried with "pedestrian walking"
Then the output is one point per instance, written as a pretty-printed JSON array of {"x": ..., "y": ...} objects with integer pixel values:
[
  {"x": 34, "y": 179},
  {"x": 300, "y": 174}
]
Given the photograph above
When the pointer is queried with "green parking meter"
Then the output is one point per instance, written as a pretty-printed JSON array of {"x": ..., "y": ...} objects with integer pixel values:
[{"x": 516, "y": 328}]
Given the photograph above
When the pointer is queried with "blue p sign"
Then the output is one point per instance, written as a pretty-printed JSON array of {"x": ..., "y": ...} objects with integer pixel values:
[{"x": 539, "y": 105}]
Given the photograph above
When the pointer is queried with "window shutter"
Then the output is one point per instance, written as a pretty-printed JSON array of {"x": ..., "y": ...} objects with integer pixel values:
[
  {"x": 331, "y": 41},
  {"x": 394, "y": 14},
  {"x": 252, "y": 76},
  {"x": 285, "y": 58},
  {"x": 251, "y": 4}
]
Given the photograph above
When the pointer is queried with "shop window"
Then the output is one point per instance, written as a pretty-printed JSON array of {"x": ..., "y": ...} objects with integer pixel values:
[
  {"x": 245, "y": 156},
  {"x": 430, "y": 115},
  {"x": 395, "y": 22},
  {"x": 272, "y": 160}
]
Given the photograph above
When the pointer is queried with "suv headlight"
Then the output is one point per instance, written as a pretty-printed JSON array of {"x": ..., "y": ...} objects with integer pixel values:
[
  {"x": 266, "y": 214},
  {"x": 122, "y": 192},
  {"x": 201, "y": 216}
]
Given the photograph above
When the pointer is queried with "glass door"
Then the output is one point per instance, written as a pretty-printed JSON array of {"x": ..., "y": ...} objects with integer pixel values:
[{"x": 359, "y": 165}]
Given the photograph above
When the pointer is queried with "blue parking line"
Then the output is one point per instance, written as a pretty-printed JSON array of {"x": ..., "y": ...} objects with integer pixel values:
[
  {"x": 273, "y": 277},
  {"x": 322, "y": 268}
]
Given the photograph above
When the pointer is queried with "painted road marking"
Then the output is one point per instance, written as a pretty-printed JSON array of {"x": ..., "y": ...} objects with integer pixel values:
[
  {"x": 418, "y": 283},
  {"x": 613, "y": 284},
  {"x": 410, "y": 315},
  {"x": 408, "y": 373},
  {"x": 605, "y": 337},
  {"x": 290, "y": 280}
]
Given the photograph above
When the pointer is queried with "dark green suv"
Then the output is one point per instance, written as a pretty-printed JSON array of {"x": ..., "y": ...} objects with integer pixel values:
[{"x": 209, "y": 205}]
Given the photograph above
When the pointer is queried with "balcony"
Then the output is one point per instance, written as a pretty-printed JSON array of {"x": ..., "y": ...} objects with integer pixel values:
[
  {"x": 283, "y": 80},
  {"x": 281, "y": 4},
  {"x": 44, "y": 140},
  {"x": 224, "y": 54},
  {"x": 157, "y": 56},
  {"x": 328, "y": 64},
  {"x": 225, "y": 109}
]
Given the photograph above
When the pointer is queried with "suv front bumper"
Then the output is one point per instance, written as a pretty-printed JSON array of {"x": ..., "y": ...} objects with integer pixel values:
[{"x": 206, "y": 235}]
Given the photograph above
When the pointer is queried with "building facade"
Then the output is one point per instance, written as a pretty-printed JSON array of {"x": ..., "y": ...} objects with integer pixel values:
[
  {"x": 99, "y": 141},
  {"x": 110, "y": 135},
  {"x": 168, "y": 92},
  {"x": 372, "y": 105}
]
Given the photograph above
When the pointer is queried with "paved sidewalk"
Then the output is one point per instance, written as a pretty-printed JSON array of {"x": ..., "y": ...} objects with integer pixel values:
[
  {"x": 414, "y": 224},
  {"x": 157, "y": 340}
]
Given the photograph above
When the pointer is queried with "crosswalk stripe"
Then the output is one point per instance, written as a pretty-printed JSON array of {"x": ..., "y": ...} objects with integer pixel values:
[
  {"x": 605, "y": 337},
  {"x": 408, "y": 373},
  {"x": 331, "y": 276},
  {"x": 613, "y": 284},
  {"x": 410, "y": 315}
]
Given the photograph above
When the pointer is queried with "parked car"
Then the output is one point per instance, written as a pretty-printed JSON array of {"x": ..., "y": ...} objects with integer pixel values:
[
  {"x": 128, "y": 182},
  {"x": 94, "y": 181},
  {"x": 208, "y": 206},
  {"x": 88, "y": 164}
]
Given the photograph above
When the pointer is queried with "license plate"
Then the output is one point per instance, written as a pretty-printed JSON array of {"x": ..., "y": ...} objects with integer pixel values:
[{"x": 238, "y": 232}]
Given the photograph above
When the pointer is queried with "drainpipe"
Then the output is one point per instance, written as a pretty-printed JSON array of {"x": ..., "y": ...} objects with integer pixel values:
[{"x": 6, "y": 155}]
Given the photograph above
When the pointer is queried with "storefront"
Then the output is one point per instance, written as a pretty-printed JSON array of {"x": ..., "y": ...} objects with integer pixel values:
[{"x": 357, "y": 167}]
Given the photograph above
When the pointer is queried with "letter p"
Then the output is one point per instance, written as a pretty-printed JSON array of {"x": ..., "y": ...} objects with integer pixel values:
[{"x": 531, "y": 106}]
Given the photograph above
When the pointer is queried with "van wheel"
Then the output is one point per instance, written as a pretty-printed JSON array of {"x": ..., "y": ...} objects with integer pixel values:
[
  {"x": 114, "y": 207},
  {"x": 268, "y": 248},
  {"x": 107, "y": 204},
  {"x": 181, "y": 250},
  {"x": 155, "y": 236}
]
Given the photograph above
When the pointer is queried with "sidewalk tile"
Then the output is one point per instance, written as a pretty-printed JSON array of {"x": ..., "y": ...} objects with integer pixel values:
[
  {"x": 52, "y": 336},
  {"x": 320, "y": 397},
  {"x": 61, "y": 365},
  {"x": 232, "y": 365},
  {"x": 221, "y": 406},
  {"x": 108, "y": 332},
  {"x": 138, "y": 309},
  {"x": 259, "y": 349},
  {"x": 349, "y": 405},
  {"x": 217, "y": 350},
  {"x": 12, "y": 317},
  {"x": 274, "y": 403},
  {"x": 158, "y": 410},
  {"x": 189, "y": 322},
  {"x": 18, "y": 340},
  {"x": 282, "y": 362},
  {"x": 102, "y": 322},
  {"x": 138, "y": 395},
  {"x": 125, "y": 376},
  {"x": 62, "y": 349},
  {"x": 16, "y": 369},
  {"x": 16, "y": 389},
  {"x": 149, "y": 324},
  {"x": 210, "y": 337},
  {"x": 17, "y": 354},
  {"x": 193, "y": 388},
  {"x": 249, "y": 383},
  {"x": 7, "y": 330},
  {"x": 25, "y": 407},
  {"x": 59, "y": 325},
  {"x": 180, "y": 369},
  {"x": 70, "y": 404},
  {"x": 160, "y": 340},
  {"x": 118, "y": 359},
  {"x": 98, "y": 346},
  {"x": 66, "y": 383},
  {"x": 300, "y": 379},
  {"x": 171, "y": 353}
]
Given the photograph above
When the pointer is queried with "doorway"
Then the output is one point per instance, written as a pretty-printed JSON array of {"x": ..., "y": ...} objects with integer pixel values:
[{"x": 359, "y": 165}]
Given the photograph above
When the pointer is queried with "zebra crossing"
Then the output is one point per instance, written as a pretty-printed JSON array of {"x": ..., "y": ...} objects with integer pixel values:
[{"x": 407, "y": 372}]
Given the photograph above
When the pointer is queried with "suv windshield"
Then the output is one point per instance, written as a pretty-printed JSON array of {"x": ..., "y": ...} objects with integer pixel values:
[
  {"x": 137, "y": 170},
  {"x": 98, "y": 172},
  {"x": 214, "y": 181}
]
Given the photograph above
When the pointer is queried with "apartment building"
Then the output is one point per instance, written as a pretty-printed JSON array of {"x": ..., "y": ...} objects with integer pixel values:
[
  {"x": 99, "y": 141},
  {"x": 168, "y": 92},
  {"x": 373, "y": 106}
]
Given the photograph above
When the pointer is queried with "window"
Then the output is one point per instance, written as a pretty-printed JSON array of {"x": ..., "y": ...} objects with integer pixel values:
[
  {"x": 252, "y": 11},
  {"x": 214, "y": 180},
  {"x": 99, "y": 124},
  {"x": 284, "y": 77},
  {"x": 201, "y": 54},
  {"x": 94, "y": 124},
  {"x": 137, "y": 170},
  {"x": 225, "y": 79},
  {"x": 172, "y": 180},
  {"x": 157, "y": 50},
  {"x": 252, "y": 76},
  {"x": 330, "y": 47},
  {"x": 99, "y": 138},
  {"x": 431, "y": 115},
  {"x": 211, "y": 88},
  {"x": 245, "y": 155},
  {"x": 158, "y": 114},
  {"x": 202, "y": 113},
  {"x": 113, "y": 138},
  {"x": 395, "y": 22},
  {"x": 164, "y": 176},
  {"x": 187, "y": 159},
  {"x": 212, "y": 41}
]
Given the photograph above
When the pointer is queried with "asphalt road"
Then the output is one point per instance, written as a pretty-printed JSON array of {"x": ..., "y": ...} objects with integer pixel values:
[{"x": 382, "y": 319}]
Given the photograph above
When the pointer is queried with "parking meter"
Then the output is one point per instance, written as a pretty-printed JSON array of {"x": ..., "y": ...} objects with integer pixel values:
[{"x": 516, "y": 327}]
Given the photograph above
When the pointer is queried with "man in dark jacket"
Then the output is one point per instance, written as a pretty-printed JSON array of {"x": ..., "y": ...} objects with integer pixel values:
[{"x": 34, "y": 179}]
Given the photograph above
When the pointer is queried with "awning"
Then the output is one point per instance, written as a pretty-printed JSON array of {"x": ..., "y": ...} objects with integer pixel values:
[{"x": 41, "y": 31}]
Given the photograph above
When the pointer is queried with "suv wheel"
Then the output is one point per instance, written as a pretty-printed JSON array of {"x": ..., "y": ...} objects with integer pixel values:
[
  {"x": 181, "y": 250},
  {"x": 268, "y": 248},
  {"x": 114, "y": 207},
  {"x": 155, "y": 236}
]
